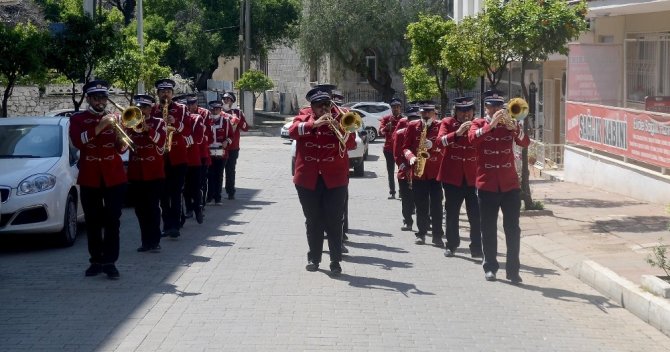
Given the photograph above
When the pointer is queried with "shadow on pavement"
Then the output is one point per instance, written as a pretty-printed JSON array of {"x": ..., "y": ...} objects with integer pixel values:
[
  {"x": 636, "y": 224},
  {"x": 171, "y": 289},
  {"x": 381, "y": 284},
  {"x": 600, "y": 302},
  {"x": 372, "y": 157},
  {"x": 368, "y": 233},
  {"x": 215, "y": 243},
  {"x": 588, "y": 203},
  {"x": 385, "y": 264},
  {"x": 375, "y": 247}
]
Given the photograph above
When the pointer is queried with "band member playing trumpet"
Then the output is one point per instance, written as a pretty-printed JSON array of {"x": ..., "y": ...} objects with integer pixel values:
[
  {"x": 174, "y": 114},
  {"x": 146, "y": 171},
  {"x": 321, "y": 176},
  {"x": 386, "y": 129},
  {"x": 101, "y": 177},
  {"x": 192, "y": 184},
  {"x": 457, "y": 174},
  {"x": 497, "y": 183},
  {"x": 238, "y": 123},
  {"x": 220, "y": 131},
  {"x": 403, "y": 174},
  {"x": 424, "y": 156}
]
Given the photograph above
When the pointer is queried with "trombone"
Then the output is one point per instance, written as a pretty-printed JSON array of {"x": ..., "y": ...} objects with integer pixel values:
[
  {"x": 517, "y": 110},
  {"x": 131, "y": 118},
  {"x": 349, "y": 122}
]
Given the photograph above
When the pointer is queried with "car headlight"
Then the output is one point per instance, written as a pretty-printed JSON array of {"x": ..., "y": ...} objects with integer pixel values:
[{"x": 36, "y": 183}]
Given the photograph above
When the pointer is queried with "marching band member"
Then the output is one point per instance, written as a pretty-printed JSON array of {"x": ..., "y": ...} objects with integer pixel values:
[
  {"x": 220, "y": 131},
  {"x": 321, "y": 176},
  {"x": 497, "y": 183},
  {"x": 338, "y": 99},
  {"x": 205, "y": 158},
  {"x": 386, "y": 129},
  {"x": 238, "y": 123},
  {"x": 101, "y": 178},
  {"x": 146, "y": 170},
  {"x": 175, "y": 158},
  {"x": 192, "y": 182},
  {"x": 403, "y": 174},
  {"x": 427, "y": 190},
  {"x": 457, "y": 174}
]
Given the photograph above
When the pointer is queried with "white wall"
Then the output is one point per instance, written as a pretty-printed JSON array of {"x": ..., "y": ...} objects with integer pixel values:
[{"x": 611, "y": 175}]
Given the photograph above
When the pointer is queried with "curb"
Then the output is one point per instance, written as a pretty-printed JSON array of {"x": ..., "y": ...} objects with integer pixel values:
[{"x": 651, "y": 309}]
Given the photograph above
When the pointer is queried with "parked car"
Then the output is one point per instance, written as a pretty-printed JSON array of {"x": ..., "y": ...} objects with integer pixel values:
[
  {"x": 39, "y": 174},
  {"x": 357, "y": 156},
  {"x": 61, "y": 112},
  {"x": 373, "y": 111},
  {"x": 283, "y": 132}
]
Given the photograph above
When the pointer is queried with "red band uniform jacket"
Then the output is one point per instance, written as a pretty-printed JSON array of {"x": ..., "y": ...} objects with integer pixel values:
[
  {"x": 146, "y": 163},
  {"x": 195, "y": 139},
  {"x": 318, "y": 153},
  {"x": 388, "y": 134},
  {"x": 237, "y": 117},
  {"x": 221, "y": 132},
  {"x": 209, "y": 137},
  {"x": 411, "y": 144},
  {"x": 495, "y": 155},
  {"x": 178, "y": 151},
  {"x": 398, "y": 155},
  {"x": 460, "y": 157},
  {"x": 99, "y": 162}
]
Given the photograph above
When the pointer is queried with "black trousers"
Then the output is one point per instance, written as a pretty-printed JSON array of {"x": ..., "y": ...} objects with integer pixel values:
[
  {"x": 203, "y": 180},
  {"x": 230, "y": 171},
  {"x": 454, "y": 197},
  {"x": 324, "y": 211},
  {"x": 428, "y": 202},
  {"x": 102, "y": 211},
  {"x": 147, "y": 198},
  {"x": 407, "y": 202},
  {"x": 215, "y": 178},
  {"x": 171, "y": 196},
  {"x": 345, "y": 226},
  {"x": 390, "y": 170},
  {"x": 510, "y": 204},
  {"x": 193, "y": 189}
]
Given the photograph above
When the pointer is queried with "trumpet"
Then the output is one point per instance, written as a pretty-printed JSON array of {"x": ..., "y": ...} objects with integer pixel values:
[
  {"x": 349, "y": 122},
  {"x": 517, "y": 110},
  {"x": 131, "y": 118}
]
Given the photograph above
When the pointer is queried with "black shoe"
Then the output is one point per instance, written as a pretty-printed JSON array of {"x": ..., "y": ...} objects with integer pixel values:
[
  {"x": 490, "y": 276},
  {"x": 335, "y": 268},
  {"x": 111, "y": 271},
  {"x": 231, "y": 196},
  {"x": 449, "y": 252},
  {"x": 344, "y": 249},
  {"x": 406, "y": 227},
  {"x": 189, "y": 214},
  {"x": 143, "y": 249},
  {"x": 515, "y": 279},
  {"x": 437, "y": 242},
  {"x": 174, "y": 233},
  {"x": 199, "y": 217},
  {"x": 476, "y": 253},
  {"x": 391, "y": 196},
  {"x": 93, "y": 269},
  {"x": 312, "y": 266},
  {"x": 419, "y": 240},
  {"x": 165, "y": 233},
  {"x": 155, "y": 249}
]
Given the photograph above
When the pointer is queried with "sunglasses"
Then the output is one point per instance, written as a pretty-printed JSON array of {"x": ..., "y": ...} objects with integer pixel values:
[{"x": 98, "y": 97}]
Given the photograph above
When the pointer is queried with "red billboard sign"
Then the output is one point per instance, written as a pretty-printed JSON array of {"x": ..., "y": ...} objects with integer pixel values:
[
  {"x": 639, "y": 135},
  {"x": 658, "y": 104},
  {"x": 594, "y": 73}
]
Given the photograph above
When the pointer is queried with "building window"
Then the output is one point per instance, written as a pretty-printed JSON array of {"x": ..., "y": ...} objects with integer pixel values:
[
  {"x": 236, "y": 74},
  {"x": 647, "y": 66},
  {"x": 371, "y": 65}
]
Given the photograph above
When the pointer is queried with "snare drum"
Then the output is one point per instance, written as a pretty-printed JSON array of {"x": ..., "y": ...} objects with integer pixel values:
[{"x": 216, "y": 151}]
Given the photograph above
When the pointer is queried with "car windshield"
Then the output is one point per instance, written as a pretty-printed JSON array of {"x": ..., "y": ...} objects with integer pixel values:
[
  {"x": 30, "y": 141},
  {"x": 348, "y": 105}
]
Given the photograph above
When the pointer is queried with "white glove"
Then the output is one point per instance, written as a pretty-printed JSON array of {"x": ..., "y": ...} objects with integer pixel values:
[
  {"x": 429, "y": 144},
  {"x": 412, "y": 160}
]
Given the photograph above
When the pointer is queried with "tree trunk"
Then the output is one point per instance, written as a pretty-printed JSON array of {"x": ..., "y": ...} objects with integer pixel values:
[
  {"x": 526, "y": 194},
  {"x": 382, "y": 85},
  {"x": 5, "y": 97},
  {"x": 76, "y": 103},
  {"x": 442, "y": 86}
]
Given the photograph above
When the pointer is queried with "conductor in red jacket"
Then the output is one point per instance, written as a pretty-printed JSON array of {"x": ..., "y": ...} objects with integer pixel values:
[
  {"x": 321, "y": 176},
  {"x": 497, "y": 183},
  {"x": 101, "y": 178},
  {"x": 457, "y": 174}
]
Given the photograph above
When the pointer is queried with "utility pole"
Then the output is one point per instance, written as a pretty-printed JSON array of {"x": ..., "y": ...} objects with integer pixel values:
[
  {"x": 247, "y": 35},
  {"x": 140, "y": 39},
  {"x": 241, "y": 38}
]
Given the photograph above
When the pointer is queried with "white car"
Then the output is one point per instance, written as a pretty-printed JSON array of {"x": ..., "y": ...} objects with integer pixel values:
[
  {"x": 372, "y": 115},
  {"x": 39, "y": 176},
  {"x": 283, "y": 132},
  {"x": 357, "y": 156}
]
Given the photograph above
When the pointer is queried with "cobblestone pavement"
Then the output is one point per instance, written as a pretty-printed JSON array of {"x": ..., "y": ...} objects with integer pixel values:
[{"x": 238, "y": 283}]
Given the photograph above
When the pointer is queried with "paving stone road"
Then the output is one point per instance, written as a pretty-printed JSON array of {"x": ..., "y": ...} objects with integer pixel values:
[{"x": 237, "y": 283}]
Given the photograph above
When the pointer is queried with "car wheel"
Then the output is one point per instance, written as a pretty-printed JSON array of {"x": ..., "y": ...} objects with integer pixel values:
[
  {"x": 69, "y": 232},
  {"x": 359, "y": 170},
  {"x": 372, "y": 134},
  {"x": 293, "y": 166}
]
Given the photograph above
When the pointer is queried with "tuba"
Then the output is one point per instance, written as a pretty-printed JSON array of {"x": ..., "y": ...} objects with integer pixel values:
[
  {"x": 422, "y": 154},
  {"x": 517, "y": 110}
]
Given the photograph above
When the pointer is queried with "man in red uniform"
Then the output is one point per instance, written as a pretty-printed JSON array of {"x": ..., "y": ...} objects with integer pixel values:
[
  {"x": 101, "y": 178},
  {"x": 192, "y": 186},
  {"x": 427, "y": 189},
  {"x": 497, "y": 183},
  {"x": 386, "y": 128},
  {"x": 205, "y": 158},
  {"x": 321, "y": 177},
  {"x": 220, "y": 130},
  {"x": 175, "y": 158},
  {"x": 457, "y": 174},
  {"x": 238, "y": 123},
  {"x": 146, "y": 170},
  {"x": 406, "y": 193}
]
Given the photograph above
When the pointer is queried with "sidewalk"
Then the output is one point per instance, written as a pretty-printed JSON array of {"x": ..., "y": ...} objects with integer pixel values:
[{"x": 602, "y": 238}]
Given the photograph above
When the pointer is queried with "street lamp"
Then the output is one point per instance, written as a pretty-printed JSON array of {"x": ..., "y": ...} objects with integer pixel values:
[{"x": 532, "y": 90}]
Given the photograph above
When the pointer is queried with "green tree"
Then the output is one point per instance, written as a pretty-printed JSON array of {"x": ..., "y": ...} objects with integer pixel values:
[
  {"x": 254, "y": 81},
  {"x": 22, "y": 52},
  {"x": 424, "y": 36},
  {"x": 459, "y": 56},
  {"x": 419, "y": 85},
  {"x": 536, "y": 30},
  {"x": 81, "y": 45}
]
